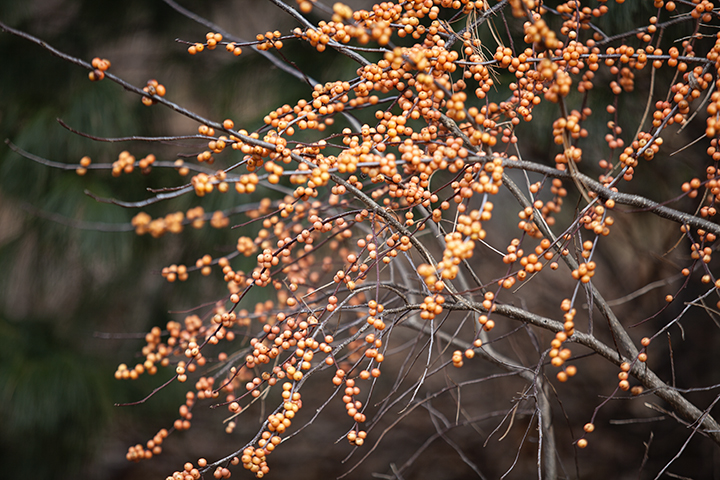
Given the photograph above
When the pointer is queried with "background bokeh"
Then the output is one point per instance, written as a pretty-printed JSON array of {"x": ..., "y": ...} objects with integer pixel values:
[{"x": 75, "y": 300}]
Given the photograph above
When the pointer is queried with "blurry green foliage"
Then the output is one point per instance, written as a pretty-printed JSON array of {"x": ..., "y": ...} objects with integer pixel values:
[{"x": 53, "y": 402}]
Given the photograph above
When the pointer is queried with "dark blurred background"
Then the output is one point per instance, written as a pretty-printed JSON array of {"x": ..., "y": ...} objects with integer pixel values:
[{"x": 75, "y": 301}]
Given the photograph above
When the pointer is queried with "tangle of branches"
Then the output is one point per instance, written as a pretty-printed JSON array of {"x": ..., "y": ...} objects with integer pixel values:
[{"x": 407, "y": 250}]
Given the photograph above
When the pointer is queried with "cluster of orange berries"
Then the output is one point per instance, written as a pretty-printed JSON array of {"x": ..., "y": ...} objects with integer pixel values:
[
  {"x": 124, "y": 373},
  {"x": 700, "y": 253},
  {"x": 375, "y": 26},
  {"x": 172, "y": 222},
  {"x": 485, "y": 178},
  {"x": 294, "y": 333},
  {"x": 314, "y": 37},
  {"x": 305, "y": 6},
  {"x": 125, "y": 163},
  {"x": 360, "y": 268},
  {"x": 570, "y": 126},
  {"x": 352, "y": 390},
  {"x": 691, "y": 188},
  {"x": 547, "y": 209},
  {"x": 581, "y": 19},
  {"x": 247, "y": 183},
  {"x": 470, "y": 225},
  {"x": 139, "y": 452},
  {"x": 374, "y": 309},
  {"x": 233, "y": 48},
  {"x": 587, "y": 428},
  {"x": 341, "y": 12},
  {"x": 559, "y": 355},
  {"x": 524, "y": 98},
  {"x": 489, "y": 118},
  {"x": 181, "y": 167},
  {"x": 456, "y": 250},
  {"x": 216, "y": 146},
  {"x": 597, "y": 220},
  {"x": 154, "y": 354},
  {"x": 100, "y": 66},
  {"x": 703, "y": 10},
  {"x": 626, "y": 83},
  {"x": 352, "y": 406},
  {"x": 316, "y": 114},
  {"x": 713, "y": 188},
  {"x": 267, "y": 41},
  {"x": 84, "y": 163},
  {"x": 713, "y": 110},
  {"x": 457, "y": 357},
  {"x": 224, "y": 472},
  {"x": 203, "y": 184},
  {"x": 623, "y": 383},
  {"x": 431, "y": 307},
  {"x": 203, "y": 264},
  {"x": 560, "y": 88},
  {"x": 554, "y": 205},
  {"x": 175, "y": 272},
  {"x": 634, "y": 60},
  {"x": 537, "y": 31},
  {"x": 145, "y": 163},
  {"x": 375, "y": 342},
  {"x": 531, "y": 263},
  {"x": 343, "y": 276},
  {"x": 484, "y": 321},
  {"x": 175, "y": 222},
  {"x": 645, "y": 146},
  {"x": 190, "y": 472},
  {"x": 527, "y": 223},
  {"x": 613, "y": 137},
  {"x": 181, "y": 342},
  {"x": 185, "y": 411},
  {"x": 211, "y": 41},
  {"x": 255, "y": 459},
  {"x": 152, "y": 88},
  {"x": 585, "y": 270},
  {"x": 196, "y": 217}
]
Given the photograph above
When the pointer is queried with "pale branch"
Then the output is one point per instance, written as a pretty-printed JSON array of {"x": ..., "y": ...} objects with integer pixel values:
[
  {"x": 143, "y": 203},
  {"x": 133, "y": 138}
]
